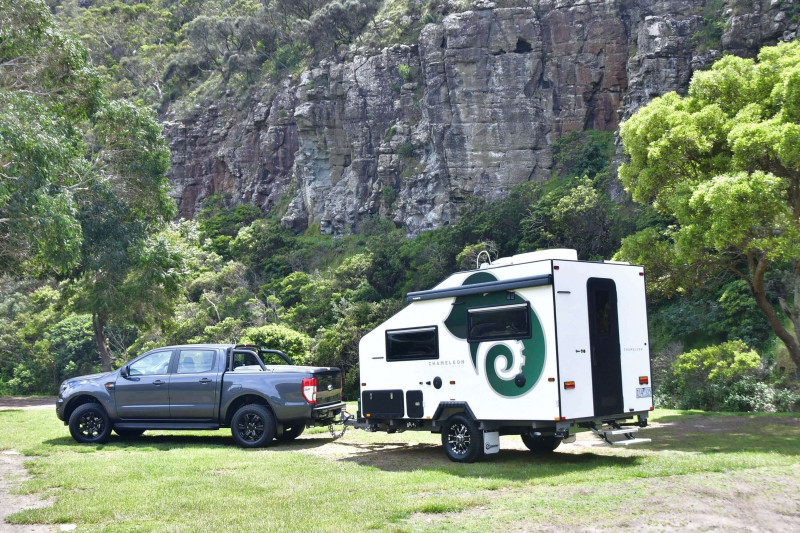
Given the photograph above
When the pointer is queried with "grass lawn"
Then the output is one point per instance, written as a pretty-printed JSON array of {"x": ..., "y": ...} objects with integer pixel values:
[{"x": 700, "y": 469}]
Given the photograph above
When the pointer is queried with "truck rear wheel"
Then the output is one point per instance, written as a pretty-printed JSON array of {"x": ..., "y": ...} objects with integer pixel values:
[
  {"x": 540, "y": 444},
  {"x": 292, "y": 432},
  {"x": 462, "y": 439},
  {"x": 253, "y": 426},
  {"x": 89, "y": 424}
]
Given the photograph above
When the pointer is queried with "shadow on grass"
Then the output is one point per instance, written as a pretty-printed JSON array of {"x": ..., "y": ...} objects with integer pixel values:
[
  {"x": 514, "y": 465},
  {"x": 150, "y": 441},
  {"x": 726, "y": 433}
]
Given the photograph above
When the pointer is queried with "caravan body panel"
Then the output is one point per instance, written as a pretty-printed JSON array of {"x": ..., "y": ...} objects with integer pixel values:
[{"x": 508, "y": 339}]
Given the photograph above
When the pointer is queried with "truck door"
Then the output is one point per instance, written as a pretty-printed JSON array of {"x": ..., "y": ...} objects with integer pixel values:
[
  {"x": 144, "y": 394},
  {"x": 194, "y": 385},
  {"x": 605, "y": 353}
]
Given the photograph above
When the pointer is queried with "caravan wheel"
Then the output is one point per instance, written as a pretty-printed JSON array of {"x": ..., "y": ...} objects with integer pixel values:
[
  {"x": 540, "y": 444},
  {"x": 462, "y": 439}
]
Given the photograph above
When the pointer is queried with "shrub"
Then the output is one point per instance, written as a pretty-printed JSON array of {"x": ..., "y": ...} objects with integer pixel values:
[{"x": 279, "y": 337}]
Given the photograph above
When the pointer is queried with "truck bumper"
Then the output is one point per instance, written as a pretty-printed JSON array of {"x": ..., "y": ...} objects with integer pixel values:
[
  {"x": 327, "y": 412},
  {"x": 60, "y": 404}
]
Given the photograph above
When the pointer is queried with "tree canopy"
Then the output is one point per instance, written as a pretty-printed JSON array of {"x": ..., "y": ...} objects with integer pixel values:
[
  {"x": 83, "y": 181},
  {"x": 723, "y": 164}
]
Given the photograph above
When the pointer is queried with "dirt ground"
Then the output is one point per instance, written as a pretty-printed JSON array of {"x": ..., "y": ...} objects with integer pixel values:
[
  {"x": 12, "y": 473},
  {"x": 8, "y": 403}
]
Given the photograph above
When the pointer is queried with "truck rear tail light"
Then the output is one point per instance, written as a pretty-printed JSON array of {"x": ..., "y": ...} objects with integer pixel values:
[
  {"x": 644, "y": 380},
  {"x": 569, "y": 384},
  {"x": 310, "y": 390}
]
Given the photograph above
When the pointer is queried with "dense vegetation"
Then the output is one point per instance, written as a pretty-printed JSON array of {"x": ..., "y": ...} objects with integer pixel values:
[{"x": 93, "y": 274}]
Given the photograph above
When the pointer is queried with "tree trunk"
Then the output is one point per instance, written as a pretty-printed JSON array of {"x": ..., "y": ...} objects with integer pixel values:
[
  {"x": 760, "y": 294},
  {"x": 99, "y": 324}
]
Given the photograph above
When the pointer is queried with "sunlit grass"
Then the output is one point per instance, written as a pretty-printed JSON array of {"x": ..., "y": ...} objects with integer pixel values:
[{"x": 200, "y": 481}]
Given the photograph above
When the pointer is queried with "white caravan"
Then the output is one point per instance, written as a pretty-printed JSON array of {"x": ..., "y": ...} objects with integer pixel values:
[{"x": 532, "y": 345}]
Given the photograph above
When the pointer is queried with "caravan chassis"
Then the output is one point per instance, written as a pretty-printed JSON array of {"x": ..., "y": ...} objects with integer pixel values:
[{"x": 540, "y": 436}]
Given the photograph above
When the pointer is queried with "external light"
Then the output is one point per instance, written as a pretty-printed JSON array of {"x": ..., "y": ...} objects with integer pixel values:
[
  {"x": 644, "y": 380},
  {"x": 310, "y": 390},
  {"x": 569, "y": 384}
]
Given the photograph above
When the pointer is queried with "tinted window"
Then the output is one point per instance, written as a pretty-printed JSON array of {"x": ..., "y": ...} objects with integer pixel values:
[
  {"x": 155, "y": 363},
  {"x": 495, "y": 323},
  {"x": 411, "y": 344},
  {"x": 192, "y": 361},
  {"x": 244, "y": 359}
]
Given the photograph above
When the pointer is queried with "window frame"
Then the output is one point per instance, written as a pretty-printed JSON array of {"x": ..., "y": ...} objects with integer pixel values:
[
  {"x": 394, "y": 359},
  {"x": 492, "y": 308}
]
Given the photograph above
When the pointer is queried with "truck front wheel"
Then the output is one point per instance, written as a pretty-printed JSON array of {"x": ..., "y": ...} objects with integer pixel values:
[
  {"x": 462, "y": 439},
  {"x": 253, "y": 426},
  {"x": 89, "y": 424}
]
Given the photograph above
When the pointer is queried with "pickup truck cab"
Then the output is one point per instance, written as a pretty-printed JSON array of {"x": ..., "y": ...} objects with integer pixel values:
[{"x": 202, "y": 386}]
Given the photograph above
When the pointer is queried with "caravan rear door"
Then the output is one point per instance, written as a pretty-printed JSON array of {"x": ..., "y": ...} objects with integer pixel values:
[{"x": 601, "y": 331}]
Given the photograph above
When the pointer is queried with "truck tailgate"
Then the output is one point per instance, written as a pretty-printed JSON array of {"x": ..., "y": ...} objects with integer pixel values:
[{"x": 329, "y": 386}]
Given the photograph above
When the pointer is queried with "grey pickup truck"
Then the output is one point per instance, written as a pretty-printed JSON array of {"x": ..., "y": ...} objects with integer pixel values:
[{"x": 202, "y": 386}]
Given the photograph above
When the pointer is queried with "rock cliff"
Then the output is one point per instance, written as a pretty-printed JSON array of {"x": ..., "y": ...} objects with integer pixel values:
[{"x": 471, "y": 109}]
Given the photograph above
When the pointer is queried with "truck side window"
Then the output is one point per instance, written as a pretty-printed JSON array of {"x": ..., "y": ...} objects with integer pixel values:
[
  {"x": 154, "y": 364},
  {"x": 498, "y": 323},
  {"x": 412, "y": 344},
  {"x": 194, "y": 361},
  {"x": 244, "y": 359}
]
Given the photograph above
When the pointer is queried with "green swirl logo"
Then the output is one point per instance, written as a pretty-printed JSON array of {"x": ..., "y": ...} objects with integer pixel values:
[{"x": 503, "y": 360}]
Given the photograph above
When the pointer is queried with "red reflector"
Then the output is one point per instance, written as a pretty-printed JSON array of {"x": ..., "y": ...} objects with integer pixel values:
[
  {"x": 644, "y": 380},
  {"x": 310, "y": 390},
  {"x": 641, "y": 273},
  {"x": 651, "y": 408},
  {"x": 569, "y": 384},
  {"x": 555, "y": 268}
]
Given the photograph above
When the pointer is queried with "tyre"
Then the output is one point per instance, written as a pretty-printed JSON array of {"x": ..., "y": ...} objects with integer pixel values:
[
  {"x": 540, "y": 444},
  {"x": 253, "y": 426},
  {"x": 462, "y": 439},
  {"x": 292, "y": 432},
  {"x": 89, "y": 424},
  {"x": 128, "y": 433}
]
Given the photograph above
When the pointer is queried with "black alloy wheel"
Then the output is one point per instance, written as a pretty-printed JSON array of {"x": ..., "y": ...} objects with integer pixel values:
[
  {"x": 253, "y": 426},
  {"x": 462, "y": 439},
  {"x": 89, "y": 424}
]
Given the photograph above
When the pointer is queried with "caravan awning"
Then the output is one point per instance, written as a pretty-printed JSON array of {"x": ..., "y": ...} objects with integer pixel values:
[{"x": 480, "y": 288}]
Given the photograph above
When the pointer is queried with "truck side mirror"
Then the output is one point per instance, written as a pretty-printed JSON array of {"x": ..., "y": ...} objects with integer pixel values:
[{"x": 124, "y": 371}]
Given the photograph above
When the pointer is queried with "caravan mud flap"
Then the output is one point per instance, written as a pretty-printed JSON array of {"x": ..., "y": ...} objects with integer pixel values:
[{"x": 491, "y": 442}]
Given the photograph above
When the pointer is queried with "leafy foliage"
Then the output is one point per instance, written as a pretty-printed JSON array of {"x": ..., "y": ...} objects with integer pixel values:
[{"x": 723, "y": 162}]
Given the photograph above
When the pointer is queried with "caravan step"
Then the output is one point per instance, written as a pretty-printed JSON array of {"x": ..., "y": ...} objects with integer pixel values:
[
  {"x": 622, "y": 431},
  {"x": 628, "y": 442}
]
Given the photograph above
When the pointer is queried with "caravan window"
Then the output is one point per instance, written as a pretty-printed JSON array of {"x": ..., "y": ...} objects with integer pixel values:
[
  {"x": 412, "y": 344},
  {"x": 495, "y": 323}
]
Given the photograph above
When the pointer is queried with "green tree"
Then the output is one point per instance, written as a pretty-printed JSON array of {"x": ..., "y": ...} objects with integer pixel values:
[
  {"x": 279, "y": 337},
  {"x": 47, "y": 90},
  {"x": 724, "y": 164},
  {"x": 83, "y": 178}
]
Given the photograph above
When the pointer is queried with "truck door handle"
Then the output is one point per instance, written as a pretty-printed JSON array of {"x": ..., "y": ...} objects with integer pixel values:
[
  {"x": 205, "y": 380},
  {"x": 158, "y": 382}
]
